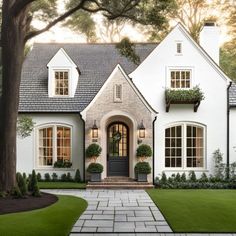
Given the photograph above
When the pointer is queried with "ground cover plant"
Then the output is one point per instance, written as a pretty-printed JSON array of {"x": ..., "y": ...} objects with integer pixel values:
[
  {"x": 57, "y": 219},
  {"x": 197, "y": 210}
]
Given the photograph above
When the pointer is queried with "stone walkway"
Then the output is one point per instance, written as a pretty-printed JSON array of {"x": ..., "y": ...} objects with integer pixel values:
[{"x": 117, "y": 211}]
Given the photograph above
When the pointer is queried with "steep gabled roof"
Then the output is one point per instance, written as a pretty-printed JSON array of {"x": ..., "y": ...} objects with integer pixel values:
[{"x": 96, "y": 62}]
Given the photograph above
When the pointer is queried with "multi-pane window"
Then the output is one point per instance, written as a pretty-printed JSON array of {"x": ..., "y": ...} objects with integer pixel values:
[
  {"x": 118, "y": 93},
  {"x": 46, "y": 146},
  {"x": 194, "y": 146},
  {"x": 184, "y": 146},
  {"x": 63, "y": 143},
  {"x": 180, "y": 79},
  {"x": 61, "y": 83},
  {"x": 173, "y": 147},
  {"x": 54, "y": 145}
]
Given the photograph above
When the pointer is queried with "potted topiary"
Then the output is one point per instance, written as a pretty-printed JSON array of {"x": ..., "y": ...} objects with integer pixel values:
[
  {"x": 93, "y": 151},
  {"x": 142, "y": 168},
  {"x": 95, "y": 169}
]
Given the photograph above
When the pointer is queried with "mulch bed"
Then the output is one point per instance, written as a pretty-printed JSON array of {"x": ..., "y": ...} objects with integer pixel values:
[{"x": 11, "y": 205}]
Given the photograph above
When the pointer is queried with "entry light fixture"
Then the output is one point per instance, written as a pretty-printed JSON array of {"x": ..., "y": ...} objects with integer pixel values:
[
  {"x": 94, "y": 130},
  {"x": 141, "y": 130}
]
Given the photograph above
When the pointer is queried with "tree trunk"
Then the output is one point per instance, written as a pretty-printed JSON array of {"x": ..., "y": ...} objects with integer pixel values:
[{"x": 13, "y": 42}]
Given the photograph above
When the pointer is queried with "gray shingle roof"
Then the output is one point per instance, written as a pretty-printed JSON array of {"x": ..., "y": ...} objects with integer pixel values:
[
  {"x": 232, "y": 94},
  {"x": 95, "y": 61}
]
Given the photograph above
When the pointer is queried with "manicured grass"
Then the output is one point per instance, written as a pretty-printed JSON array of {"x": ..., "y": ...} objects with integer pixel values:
[
  {"x": 61, "y": 185},
  {"x": 56, "y": 219},
  {"x": 197, "y": 210}
]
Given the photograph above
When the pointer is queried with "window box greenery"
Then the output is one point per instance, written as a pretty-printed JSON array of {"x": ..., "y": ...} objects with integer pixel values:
[
  {"x": 142, "y": 169},
  {"x": 184, "y": 96},
  {"x": 95, "y": 169},
  {"x": 62, "y": 164}
]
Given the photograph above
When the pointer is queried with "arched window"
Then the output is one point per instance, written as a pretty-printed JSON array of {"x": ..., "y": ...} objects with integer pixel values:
[
  {"x": 54, "y": 144},
  {"x": 184, "y": 146}
]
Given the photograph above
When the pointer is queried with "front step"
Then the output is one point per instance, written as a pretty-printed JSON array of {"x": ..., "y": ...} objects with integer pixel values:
[
  {"x": 119, "y": 183},
  {"x": 115, "y": 186}
]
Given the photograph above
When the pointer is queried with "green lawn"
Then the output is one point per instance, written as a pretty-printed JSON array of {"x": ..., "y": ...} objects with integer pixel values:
[
  {"x": 61, "y": 185},
  {"x": 197, "y": 210},
  {"x": 56, "y": 219}
]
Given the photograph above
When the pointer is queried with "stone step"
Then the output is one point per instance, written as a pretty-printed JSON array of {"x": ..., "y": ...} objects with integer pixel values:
[
  {"x": 118, "y": 179},
  {"x": 114, "y": 186},
  {"x": 118, "y": 183}
]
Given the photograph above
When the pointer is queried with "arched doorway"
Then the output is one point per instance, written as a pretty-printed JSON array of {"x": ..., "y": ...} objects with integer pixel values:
[{"x": 117, "y": 149}]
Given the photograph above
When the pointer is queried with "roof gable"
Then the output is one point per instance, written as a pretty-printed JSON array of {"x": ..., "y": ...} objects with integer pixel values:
[{"x": 61, "y": 59}]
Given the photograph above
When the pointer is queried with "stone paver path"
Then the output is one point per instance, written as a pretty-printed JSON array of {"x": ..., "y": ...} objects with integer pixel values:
[{"x": 117, "y": 211}]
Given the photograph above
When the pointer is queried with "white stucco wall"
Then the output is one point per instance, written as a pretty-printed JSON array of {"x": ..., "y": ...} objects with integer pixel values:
[
  {"x": 232, "y": 146},
  {"x": 27, "y": 148},
  {"x": 152, "y": 78}
]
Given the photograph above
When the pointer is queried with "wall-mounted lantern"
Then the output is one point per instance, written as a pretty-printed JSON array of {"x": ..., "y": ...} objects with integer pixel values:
[
  {"x": 94, "y": 131},
  {"x": 141, "y": 131}
]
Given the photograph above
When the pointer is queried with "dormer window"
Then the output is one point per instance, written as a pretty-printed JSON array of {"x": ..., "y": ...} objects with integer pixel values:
[
  {"x": 180, "y": 79},
  {"x": 61, "y": 83},
  {"x": 179, "y": 48}
]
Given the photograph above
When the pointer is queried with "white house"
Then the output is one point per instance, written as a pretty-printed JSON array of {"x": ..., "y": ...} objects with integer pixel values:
[{"x": 69, "y": 88}]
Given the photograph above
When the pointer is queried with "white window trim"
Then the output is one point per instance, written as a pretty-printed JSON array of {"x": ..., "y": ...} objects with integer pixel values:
[
  {"x": 179, "y": 68},
  {"x": 184, "y": 150},
  {"x": 54, "y": 130},
  {"x": 54, "y": 70}
]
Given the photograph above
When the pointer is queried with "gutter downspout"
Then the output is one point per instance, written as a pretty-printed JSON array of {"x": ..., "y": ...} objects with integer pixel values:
[
  {"x": 83, "y": 146},
  {"x": 153, "y": 147},
  {"x": 228, "y": 121}
]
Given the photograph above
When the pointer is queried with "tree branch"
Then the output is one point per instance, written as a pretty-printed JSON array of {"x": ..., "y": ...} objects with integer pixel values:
[
  {"x": 54, "y": 22},
  {"x": 19, "y": 5}
]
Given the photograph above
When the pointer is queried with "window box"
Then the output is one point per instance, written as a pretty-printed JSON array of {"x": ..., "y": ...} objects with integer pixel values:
[{"x": 187, "y": 96}]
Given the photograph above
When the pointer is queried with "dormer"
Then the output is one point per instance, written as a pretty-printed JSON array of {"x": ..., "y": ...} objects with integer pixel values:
[{"x": 63, "y": 75}]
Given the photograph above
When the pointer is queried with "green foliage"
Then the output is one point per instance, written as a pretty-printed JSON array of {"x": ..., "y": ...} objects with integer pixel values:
[
  {"x": 24, "y": 176},
  {"x": 228, "y": 59},
  {"x": 36, "y": 191},
  {"x": 77, "y": 176},
  {"x": 82, "y": 22},
  {"x": 54, "y": 177},
  {"x": 163, "y": 178},
  {"x": 144, "y": 151},
  {"x": 21, "y": 182},
  {"x": 16, "y": 193},
  {"x": 143, "y": 168},
  {"x": 33, "y": 185},
  {"x": 47, "y": 177},
  {"x": 178, "y": 177},
  {"x": 189, "y": 95},
  {"x": 192, "y": 176},
  {"x": 62, "y": 164},
  {"x": 93, "y": 151},
  {"x": 203, "y": 178},
  {"x": 95, "y": 168},
  {"x": 219, "y": 166},
  {"x": 127, "y": 49},
  {"x": 68, "y": 177},
  {"x": 25, "y": 126},
  {"x": 39, "y": 177},
  {"x": 2, "y": 194},
  {"x": 183, "y": 177},
  {"x": 63, "y": 178}
]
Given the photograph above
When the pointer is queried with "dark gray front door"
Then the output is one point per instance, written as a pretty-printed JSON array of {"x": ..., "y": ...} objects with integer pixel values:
[{"x": 118, "y": 149}]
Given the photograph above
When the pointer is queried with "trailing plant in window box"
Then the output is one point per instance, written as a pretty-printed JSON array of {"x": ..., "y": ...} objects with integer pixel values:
[
  {"x": 182, "y": 96},
  {"x": 62, "y": 164}
]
